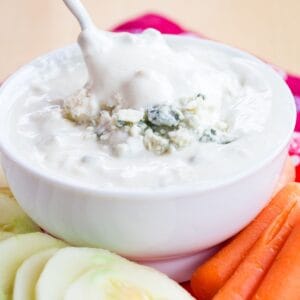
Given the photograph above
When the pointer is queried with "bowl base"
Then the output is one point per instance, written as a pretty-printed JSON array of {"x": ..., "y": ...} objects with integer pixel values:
[{"x": 181, "y": 268}]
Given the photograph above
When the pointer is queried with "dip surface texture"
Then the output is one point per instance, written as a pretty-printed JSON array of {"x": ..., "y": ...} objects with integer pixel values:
[{"x": 153, "y": 114}]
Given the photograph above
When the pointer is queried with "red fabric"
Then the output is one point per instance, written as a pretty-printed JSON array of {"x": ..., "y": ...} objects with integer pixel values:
[
  {"x": 187, "y": 286},
  {"x": 155, "y": 21},
  {"x": 294, "y": 84},
  {"x": 298, "y": 173}
]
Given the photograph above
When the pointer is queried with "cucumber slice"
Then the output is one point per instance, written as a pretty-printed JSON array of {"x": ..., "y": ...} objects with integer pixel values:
[
  {"x": 12, "y": 218},
  {"x": 66, "y": 266},
  {"x": 14, "y": 250},
  {"x": 88, "y": 273},
  {"x": 125, "y": 281},
  {"x": 28, "y": 274},
  {"x": 5, "y": 235},
  {"x": 3, "y": 182}
]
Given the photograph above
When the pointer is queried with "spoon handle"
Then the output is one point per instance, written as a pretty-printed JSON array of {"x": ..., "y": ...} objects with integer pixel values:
[{"x": 81, "y": 14}]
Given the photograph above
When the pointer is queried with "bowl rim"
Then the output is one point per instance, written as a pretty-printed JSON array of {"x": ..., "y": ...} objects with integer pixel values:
[{"x": 168, "y": 190}]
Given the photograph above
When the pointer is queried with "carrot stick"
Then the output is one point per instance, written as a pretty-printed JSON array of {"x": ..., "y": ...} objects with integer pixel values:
[
  {"x": 288, "y": 174},
  {"x": 282, "y": 282},
  {"x": 212, "y": 275},
  {"x": 246, "y": 278}
]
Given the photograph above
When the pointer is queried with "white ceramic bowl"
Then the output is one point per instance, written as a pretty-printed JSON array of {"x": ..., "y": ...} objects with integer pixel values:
[{"x": 144, "y": 225}]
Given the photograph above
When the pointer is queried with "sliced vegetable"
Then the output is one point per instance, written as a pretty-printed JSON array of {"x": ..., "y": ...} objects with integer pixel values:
[
  {"x": 125, "y": 281},
  {"x": 3, "y": 182},
  {"x": 88, "y": 273},
  {"x": 16, "y": 249},
  {"x": 282, "y": 280},
  {"x": 72, "y": 262},
  {"x": 12, "y": 218},
  {"x": 246, "y": 278},
  {"x": 28, "y": 274},
  {"x": 213, "y": 274},
  {"x": 4, "y": 235}
]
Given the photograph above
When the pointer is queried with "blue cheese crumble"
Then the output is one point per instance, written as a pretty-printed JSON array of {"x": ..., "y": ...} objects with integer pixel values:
[{"x": 162, "y": 128}]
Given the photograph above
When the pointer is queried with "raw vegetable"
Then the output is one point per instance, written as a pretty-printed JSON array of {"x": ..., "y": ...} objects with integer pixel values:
[
  {"x": 282, "y": 282},
  {"x": 28, "y": 274},
  {"x": 16, "y": 249},
  {"x": 12, "y": 217},
  {"x": 246, "y": 278},
  {"x": 128, "y": 281},
  {"x": 89, "y": 273},
  {"x": 3, "y": 182},
  {"x": 72, "y": 262},
  {"x": 213, "y": 274},
  {"x": 33, "y": 266},
  {"x": 4, "y": 235}
]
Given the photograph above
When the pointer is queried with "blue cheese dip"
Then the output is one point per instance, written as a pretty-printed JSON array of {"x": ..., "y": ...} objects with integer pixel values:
[{"x": 138, "y": 112}]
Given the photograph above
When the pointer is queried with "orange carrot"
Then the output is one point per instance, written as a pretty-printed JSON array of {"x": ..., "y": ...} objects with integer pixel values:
[
  {"x": 246, "y": 278},
  {"x": 212, "y": 275},
  {"x": 288, "y": 174},
  {"x": 282, "y": 282}
]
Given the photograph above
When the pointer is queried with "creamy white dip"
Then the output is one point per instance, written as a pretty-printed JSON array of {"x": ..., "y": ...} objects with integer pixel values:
[{"x": 150, "y": 114}]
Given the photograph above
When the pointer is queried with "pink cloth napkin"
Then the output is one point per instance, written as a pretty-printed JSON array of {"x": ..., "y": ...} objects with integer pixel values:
[{"x": 165, "y": 25}]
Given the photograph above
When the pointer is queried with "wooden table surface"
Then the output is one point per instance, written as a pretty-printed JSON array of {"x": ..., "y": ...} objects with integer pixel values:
[{"x": 267, "y": 28}]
